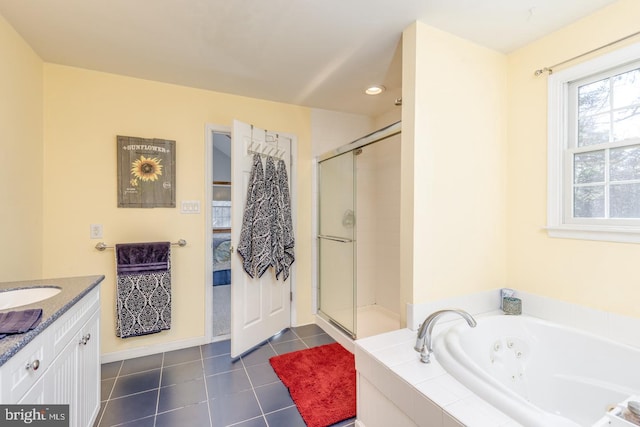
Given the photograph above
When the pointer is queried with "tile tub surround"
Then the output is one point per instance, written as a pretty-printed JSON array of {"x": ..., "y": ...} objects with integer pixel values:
[{"x": 72, "y": 290}]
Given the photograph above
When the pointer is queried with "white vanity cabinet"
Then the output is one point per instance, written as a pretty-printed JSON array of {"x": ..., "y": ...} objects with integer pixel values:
[{"x": 61, "y": 365}]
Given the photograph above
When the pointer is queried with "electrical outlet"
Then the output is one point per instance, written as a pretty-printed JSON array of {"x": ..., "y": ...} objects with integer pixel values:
[{"x": 96, "y": 231}]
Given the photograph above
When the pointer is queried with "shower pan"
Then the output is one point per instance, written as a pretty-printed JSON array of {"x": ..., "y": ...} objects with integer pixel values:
[{"x": 358, "y": 234}]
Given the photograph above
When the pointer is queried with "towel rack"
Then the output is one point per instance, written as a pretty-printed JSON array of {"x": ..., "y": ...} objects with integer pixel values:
[{"x": 102, "y": 245}]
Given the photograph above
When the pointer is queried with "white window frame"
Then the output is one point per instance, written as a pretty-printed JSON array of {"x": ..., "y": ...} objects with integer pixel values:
[{"x": 559, "y": 165}]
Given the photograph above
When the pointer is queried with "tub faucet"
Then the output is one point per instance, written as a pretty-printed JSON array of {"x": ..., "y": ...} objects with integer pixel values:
[{"x": 424, "y": 342}]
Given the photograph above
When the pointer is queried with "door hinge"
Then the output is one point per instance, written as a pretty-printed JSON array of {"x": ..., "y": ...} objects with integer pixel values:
[{"x": 291, "y": 296}]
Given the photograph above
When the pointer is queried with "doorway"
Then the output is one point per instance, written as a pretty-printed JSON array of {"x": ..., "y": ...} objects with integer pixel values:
[
  {"x": 239, "y": 306},
  {"x": 220, "y": 223}
]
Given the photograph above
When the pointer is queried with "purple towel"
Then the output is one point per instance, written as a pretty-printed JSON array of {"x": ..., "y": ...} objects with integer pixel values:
[
  {"x": 136, "y": 258},
  {"x": 18, "y": 322}
]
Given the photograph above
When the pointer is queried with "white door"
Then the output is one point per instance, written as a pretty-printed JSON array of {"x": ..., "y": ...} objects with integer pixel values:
[{"x": 260, "y": 307}]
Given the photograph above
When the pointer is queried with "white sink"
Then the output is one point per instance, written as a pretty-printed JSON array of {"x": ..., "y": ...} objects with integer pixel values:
[{"x": 17, "y": 297}]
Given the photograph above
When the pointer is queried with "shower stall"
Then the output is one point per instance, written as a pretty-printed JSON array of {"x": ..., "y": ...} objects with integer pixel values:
[{"x": 359, "y": 234}]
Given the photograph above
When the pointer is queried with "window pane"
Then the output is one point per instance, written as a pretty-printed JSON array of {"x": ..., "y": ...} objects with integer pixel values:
[
  {"x": 593, "y": 130},
  {"x": 588, "y": 202},
  {"x": 588, "y": 167},
  {"x": 626, "y": 89},
  {"x": 624, "y": 201},
  {"x": 593, "y": 98},
  {"x": 626, "y": 124},
  {"x": 221, "y": 192},
  {"x": 624, "y": 163},
  {"x": 221, "y": 214}
]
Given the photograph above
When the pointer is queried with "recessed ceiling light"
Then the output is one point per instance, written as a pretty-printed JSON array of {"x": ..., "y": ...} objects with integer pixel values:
[{"x": 374, "y": 90}]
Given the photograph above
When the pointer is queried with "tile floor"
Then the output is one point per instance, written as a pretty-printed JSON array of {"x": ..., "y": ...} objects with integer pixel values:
[{"x": 202, "y": 386}]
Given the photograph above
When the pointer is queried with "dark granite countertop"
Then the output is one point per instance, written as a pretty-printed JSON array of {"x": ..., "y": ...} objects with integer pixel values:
[{"x": 73, "y": 289}]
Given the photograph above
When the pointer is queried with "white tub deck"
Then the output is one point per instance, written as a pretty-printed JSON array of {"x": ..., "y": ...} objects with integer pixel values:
[{"x": 396, "y": 389}]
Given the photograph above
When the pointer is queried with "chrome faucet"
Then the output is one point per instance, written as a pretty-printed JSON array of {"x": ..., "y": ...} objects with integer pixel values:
[{"x": 424, "y": 342}]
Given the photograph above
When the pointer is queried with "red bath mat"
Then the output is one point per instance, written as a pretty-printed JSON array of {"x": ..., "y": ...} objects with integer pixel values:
[{"x": 321, "y": 381}]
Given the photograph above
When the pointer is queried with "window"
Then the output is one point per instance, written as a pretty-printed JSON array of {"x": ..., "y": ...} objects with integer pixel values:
[
  {"x": 221, "y": 207},
  {"x": 594, "y": 149}
]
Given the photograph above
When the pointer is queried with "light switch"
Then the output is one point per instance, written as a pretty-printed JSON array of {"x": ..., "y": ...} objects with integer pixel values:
[{"x": 190, "y": 207}]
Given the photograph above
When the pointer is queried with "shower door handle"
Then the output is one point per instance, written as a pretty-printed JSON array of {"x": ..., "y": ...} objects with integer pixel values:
[{"x": 335, "y": 239}]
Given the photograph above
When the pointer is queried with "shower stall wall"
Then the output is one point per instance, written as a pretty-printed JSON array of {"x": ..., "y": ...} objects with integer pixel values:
[{"x": 359, "y": 234}]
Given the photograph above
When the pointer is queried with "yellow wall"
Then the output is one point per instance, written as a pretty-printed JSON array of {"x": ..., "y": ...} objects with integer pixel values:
[
  {"x": 83, "y": 112},
  {"x": 454, "y": 164},
  {"x": 21, "y": 161},
  {"x": 596, "y": 274}
]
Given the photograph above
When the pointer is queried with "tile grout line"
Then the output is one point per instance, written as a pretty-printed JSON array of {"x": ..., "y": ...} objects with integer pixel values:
[
  {"x": 106, "y": 402},
  {"x": 206, "y": 388},
  {"x": 158, "y": 398},
  {"x": 253, "y": 389}
]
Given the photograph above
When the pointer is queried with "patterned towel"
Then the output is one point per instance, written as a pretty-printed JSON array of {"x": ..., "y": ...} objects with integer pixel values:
[
  {"x": 266, "y": 237},
  {"x": 143, "y": 300},
  {"x": 244, "y": 245},
  {"x": 285, "y": 254},
  {"x": 277, "y": 225},
  {"x": 255, "y": 236}
]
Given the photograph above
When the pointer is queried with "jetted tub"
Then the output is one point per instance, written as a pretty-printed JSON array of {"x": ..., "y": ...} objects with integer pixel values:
[{"x": 539, "y": 373}]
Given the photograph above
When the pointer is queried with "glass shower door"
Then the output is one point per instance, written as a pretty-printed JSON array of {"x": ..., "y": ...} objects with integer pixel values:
[{"x": 336, "y": 239}]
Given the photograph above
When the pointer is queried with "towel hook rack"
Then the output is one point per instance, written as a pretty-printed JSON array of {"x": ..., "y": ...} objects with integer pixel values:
[{"x": 101, "y": 246}]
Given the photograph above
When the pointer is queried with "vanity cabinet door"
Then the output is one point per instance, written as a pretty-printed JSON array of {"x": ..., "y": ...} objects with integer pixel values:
[
  {"x": 74, "y": 377},
  {"x": 62, "y": 378},
  {"x": 89, "y": 372},
  {"x": 36, "y": 394}
]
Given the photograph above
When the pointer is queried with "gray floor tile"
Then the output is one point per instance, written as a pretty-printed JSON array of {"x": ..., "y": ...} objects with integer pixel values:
[
  {"x": 287, "y": 335},
  {"x": 220, "y": 364},
  {"x": 308, "y": 330},
  {"x": 183, "y": 394},
  {"x": 317, "y": 340},
  {"x": 234, "y": 408},
  {"x": 216, "y": 348},
  {"x": 289, "y": 346},
  {"x": 289, "y": 417},
  {"x": 130, "y": 408},
  {"x": 136, "y": 383},
  {"x": 105, "y": 388},
  {"x": 103, "y": 405},
  {"x": 143, "y": 422},
  {"x": 227, "y": 383},
  {"x": 110, "y": 370},
  {"x": 139, "y": 364},
  {"x": 181, "y": 373},
  {"x": 346, "y": 423},
  {"x": 194, "y": 415},
  {"x": 181, "y": 356},
  {"x": 262, "y": 374},
  {"x": 260, "y": 355},
  {"x": 273, "y": 397},
  {"x": 255, "y": 422}
]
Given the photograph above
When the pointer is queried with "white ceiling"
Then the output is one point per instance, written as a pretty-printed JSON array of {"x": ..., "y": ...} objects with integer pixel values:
[{"x": 317, "y": 53}]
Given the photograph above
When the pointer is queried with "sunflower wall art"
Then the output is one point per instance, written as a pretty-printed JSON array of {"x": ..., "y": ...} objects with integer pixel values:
[{"x": 146, "y": 173}]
